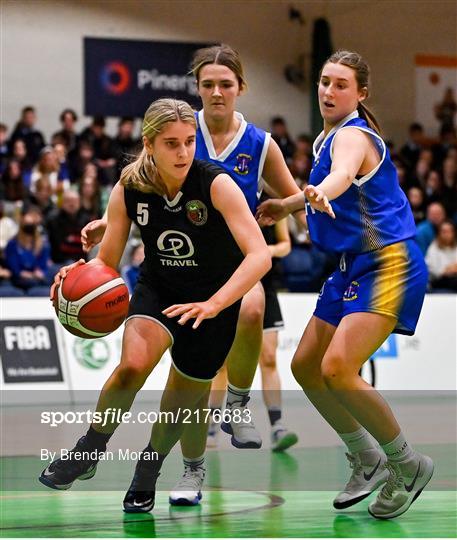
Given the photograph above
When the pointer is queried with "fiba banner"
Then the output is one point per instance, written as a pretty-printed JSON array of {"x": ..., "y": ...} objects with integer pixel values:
[
  {"x": 122, "y": 77},
  {"x": 435, "y": 75},
  {"x": 33, "y": 366}
]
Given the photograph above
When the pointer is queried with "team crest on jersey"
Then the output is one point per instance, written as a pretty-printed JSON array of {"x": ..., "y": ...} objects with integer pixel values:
[
  {"x": 242, "y": 163},
  {"x": 196, "y": 212},
  {"x": 352, "y": 292}
]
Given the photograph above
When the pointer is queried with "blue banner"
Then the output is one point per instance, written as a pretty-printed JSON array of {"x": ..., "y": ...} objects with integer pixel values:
[{"x": 122, "y": 77}]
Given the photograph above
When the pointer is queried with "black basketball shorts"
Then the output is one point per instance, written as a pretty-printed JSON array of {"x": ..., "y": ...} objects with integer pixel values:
[
  {"x": 272, "y": 320},
  {"x": 196, "y": 354}
]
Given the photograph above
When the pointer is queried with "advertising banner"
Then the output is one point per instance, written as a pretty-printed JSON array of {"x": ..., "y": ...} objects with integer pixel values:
[{"x": 122, "y": 77}]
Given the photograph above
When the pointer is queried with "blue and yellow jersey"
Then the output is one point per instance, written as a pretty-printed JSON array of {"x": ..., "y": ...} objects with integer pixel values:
[
  {"x": 373, "y": 213},
  {"x": 243, "y": 159}
]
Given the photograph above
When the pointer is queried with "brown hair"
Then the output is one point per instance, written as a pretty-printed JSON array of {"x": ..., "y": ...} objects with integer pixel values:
[
  {"x": 440, "y": 227},
  {"x": 222, "y": 55},
  {"x": 354, "y": 61},
  {"x": 142, "y": 173}
]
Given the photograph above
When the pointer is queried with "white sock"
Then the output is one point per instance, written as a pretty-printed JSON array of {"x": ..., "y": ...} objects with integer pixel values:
[
  {"x": 398, "y": 450},
  {"x": 358, "y": 441},
  {"x": 235, "y": 395}
]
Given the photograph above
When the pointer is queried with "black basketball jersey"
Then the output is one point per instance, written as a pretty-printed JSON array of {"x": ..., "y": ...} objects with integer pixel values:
[{"x": 189, "y": 250}]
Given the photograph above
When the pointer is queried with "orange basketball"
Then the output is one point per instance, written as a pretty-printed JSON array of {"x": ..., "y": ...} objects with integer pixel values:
[{"x": 91, "y": 301}]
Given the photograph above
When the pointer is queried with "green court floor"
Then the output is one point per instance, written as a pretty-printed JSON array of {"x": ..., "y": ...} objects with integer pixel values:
[{"x": 275, "y": 505}]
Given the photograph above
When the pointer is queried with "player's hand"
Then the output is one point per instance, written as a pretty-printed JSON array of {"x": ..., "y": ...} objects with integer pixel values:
[
  {"x": 318, "y": 200},
  {"x": 92, "y": 234},
  {"x": 271, "y": 211},
  {"x": 61, "y": 274},
  {"x": 195, "y": 310}
]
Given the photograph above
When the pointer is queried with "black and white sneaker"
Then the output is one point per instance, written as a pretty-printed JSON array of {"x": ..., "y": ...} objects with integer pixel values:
[
  {"x": 140, "y": 497},
  {"x": 61, "y": 474},
  {"x": 241, "y": 427}
]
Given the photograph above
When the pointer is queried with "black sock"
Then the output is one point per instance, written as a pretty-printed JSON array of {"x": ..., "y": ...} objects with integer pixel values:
[
  {"x": 97, "y": 440},
  {"x": 274, "y": 414},
  {"x": 151, "y": 458}
]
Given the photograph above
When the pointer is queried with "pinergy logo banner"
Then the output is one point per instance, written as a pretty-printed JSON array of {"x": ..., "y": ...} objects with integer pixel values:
[
  {"x": 28, "y": 350},
  {"x": 122, "y": 77}
]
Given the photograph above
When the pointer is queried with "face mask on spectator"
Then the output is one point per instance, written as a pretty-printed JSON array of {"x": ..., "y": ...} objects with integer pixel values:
[{"x": 28, "y": 228}]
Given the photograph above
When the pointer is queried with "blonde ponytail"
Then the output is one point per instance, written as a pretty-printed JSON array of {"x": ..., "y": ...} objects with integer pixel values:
[{"x": 142, "y": 175}]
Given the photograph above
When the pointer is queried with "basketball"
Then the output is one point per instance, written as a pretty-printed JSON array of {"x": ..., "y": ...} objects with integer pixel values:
[{"x": 91, "y": 301}]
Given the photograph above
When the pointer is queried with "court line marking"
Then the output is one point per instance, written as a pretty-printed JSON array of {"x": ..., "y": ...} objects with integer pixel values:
[{"x": 274, "y": 501}]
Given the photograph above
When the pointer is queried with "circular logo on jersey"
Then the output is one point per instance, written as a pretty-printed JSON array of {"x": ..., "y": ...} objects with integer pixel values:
[
  {"x": 242, "y": 164},
  {"x": 352, "y": 292},
  {"x": 93, "y": 354},
  {"x": 115, "y": 78},
  {"x": 196, "y": 212},
  {"x": 175, "y": 245}
]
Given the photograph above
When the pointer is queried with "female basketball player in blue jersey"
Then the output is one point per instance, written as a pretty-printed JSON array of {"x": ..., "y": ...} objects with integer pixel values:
[
  {"x": 378, "y": 289},
  {"x": 248, "y": 155},
  {"x": 203, "y": 252}
]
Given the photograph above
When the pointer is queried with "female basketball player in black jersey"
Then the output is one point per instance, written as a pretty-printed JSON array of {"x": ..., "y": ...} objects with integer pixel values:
[{"x": 203, "y": 252}]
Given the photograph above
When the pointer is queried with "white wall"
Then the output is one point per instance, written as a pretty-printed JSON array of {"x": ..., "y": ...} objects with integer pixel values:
[{"x": 41, "y": 48}]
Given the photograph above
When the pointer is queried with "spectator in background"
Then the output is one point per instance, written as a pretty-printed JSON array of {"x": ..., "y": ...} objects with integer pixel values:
[
  {"x": 423, "y": 166},
  {"x": 61, "y": 154},
  {"x": 67, "y": 134},
  {"x": 4, "y": 150},
  {"x": 25, "y": 130},
  {"x": 433, "y": 187},
  {"x": 8, "y": 228},
  {"x": 426, "y": 231},
  {"x": 6, "y": 287},
  {"x": 411, "y": 150},
  {"x": 300, "y": 168},
  {"x": 131, "y": 271},
  {"x": 48, "y": 167},
  {"x": 79, "y": 160},
  {"x": 447, "y": 142},
  {"x": 104, "y": 150},
  {"x": 416, "y": 200},
  {"x": 445, "y": 111},
  {"x": 19, "y": 153},
  {"x": 449, "y": 169},
  {"x": 64, "y": 229},
  {"x": 12, "y": 187},
  {"x": 27, "y": 256},
  {"x": 441, "y": 258},
  {"x": 125, "y": 144},
  {"x": 404, "y": 178},
  {"x": 42, "y": 198},
  {"x": 281, "y": 136},
  {"x": 90, "y": 194},
  {"x": 304, "y": 145}
]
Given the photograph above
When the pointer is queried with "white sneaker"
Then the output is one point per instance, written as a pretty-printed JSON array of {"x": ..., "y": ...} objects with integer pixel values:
[
  {"x": 405, "y": 484},
  {"x": 282, "y": 438},
  {"x": 241, "y": 427},
  {"x": 187, "y": 492},
  {"x": 364, "y": 480}
]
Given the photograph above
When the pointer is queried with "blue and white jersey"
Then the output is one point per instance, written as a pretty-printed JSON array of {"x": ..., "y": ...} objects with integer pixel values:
[
  {"x": 243, "y": 159},
  {"x": 373, "y": 213}
]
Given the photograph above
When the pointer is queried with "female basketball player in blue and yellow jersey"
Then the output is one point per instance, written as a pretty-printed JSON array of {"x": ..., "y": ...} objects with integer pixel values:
[
  {"x": 378, "y": 289},
  {"x": 203, "y": 252},
  {"x": 249, "y": 155}
]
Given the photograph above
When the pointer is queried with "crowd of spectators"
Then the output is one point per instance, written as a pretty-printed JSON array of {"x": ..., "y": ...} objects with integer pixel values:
[{"x": 50, "y": 189}]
